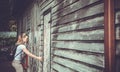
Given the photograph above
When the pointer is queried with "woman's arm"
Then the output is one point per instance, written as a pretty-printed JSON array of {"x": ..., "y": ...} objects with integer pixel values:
[{"x": 31, "y": 55}]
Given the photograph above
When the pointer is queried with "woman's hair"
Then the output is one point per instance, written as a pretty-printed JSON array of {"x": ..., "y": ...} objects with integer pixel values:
[
  {"x": 20, "y": 38},
  {"x": 24, "y": 35}
]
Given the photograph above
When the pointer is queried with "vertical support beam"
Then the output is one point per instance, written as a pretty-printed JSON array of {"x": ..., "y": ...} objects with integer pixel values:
[{"x": 109, "y": 33}]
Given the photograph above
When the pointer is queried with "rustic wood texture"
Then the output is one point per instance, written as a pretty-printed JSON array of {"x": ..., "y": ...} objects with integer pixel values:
[
  {"x": 82, "y": 13},
  {"x": 79, "y": 46},
  {"x": 78, "y": 36},
  {"x": 46, "y": 63}
]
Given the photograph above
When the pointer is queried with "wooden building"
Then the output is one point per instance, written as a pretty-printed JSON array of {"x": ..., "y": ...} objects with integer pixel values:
[{"x": 72, "y": 35}]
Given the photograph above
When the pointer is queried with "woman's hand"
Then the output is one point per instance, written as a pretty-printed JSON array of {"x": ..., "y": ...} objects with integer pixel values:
[{"x": 40, "y": 58}]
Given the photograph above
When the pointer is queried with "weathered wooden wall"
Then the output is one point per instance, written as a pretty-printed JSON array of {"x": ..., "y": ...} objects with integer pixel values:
[
  {"x": 28, "y": 23},
  {"x": 77, "y": 34},
  {"x": 117, "y": 25}
]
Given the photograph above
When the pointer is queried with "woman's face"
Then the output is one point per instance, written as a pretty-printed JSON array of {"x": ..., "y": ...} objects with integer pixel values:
[{"x": 25, "y": 39}]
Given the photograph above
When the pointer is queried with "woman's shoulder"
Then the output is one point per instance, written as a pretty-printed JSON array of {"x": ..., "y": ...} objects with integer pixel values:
[{"x": 21, "y": 45}]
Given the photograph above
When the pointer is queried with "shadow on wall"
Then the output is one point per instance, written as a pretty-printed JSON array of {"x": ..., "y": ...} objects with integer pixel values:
[
  {"x": 118, "y": 49},
  {"x": 5, "y": 65},
  {"x": 118, "y": 18}
]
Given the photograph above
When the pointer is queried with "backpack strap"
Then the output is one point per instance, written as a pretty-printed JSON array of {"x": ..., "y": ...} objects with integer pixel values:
[{"x": 18, "y": 53}]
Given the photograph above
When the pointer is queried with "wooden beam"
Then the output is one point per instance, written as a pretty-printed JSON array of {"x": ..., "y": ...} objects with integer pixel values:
[{"x": 109, "y": 36}]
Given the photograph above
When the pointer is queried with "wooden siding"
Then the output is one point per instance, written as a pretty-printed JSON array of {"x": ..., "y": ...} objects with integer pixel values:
[
  {"x": 78, "y": 36},
  {"x": 30, "y": 26}
]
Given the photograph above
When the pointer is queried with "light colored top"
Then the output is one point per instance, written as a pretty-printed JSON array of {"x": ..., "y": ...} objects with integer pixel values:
[{"x": 19, "y": 52}]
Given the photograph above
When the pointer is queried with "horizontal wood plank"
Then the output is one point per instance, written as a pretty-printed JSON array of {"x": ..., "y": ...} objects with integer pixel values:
[
  {"x": 59, "y": 5},
  {"x": 60, "y": 68},
  {"x": 73, "y": 7},
  {"x": 118, "y": 48},
  {"x": 95, "y": 22},
  {"x": 117, "y": 33},
  {"x": 79, "y": 46},
  {"x": 80, "y": 14},
  {"x": 93, "y": 59},
  {"x": 117, "y": 17},
  {"x": 87, "y": 35},
  {"x": 75, "y": 65}
]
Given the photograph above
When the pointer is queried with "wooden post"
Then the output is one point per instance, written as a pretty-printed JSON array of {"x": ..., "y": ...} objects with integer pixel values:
[{"x": 109, "y": 40}]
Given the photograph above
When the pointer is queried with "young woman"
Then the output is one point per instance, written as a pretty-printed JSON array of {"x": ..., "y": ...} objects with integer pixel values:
[{"x": 21, "y": 48}]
